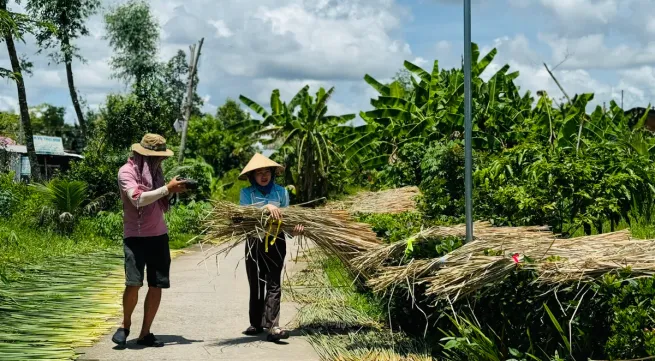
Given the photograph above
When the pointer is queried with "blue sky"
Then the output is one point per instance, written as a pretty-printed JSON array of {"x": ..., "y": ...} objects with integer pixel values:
[{"x": 252, "y": 47}]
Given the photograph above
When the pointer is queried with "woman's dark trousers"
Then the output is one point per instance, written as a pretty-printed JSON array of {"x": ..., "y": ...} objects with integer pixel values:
[{"x": 264, "y": 270}]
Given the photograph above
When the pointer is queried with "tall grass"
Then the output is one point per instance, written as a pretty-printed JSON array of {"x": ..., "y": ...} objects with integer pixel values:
[{"x": 21, "y": 245}]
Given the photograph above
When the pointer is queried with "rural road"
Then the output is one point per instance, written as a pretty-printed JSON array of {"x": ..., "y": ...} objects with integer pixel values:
[{"x": 202, "y": 317}]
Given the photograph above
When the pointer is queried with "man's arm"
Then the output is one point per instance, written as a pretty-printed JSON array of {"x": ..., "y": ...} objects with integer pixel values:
[
  {"x": 128, "y": 184},
  {"x": 147, "y": 198}
]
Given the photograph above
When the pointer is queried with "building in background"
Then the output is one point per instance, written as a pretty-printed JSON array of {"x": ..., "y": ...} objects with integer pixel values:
[{"x": 50, "y": 154}]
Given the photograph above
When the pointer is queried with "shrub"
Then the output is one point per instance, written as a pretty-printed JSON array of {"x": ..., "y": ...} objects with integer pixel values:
[
  {"x": 186, "y": 218},
  {"x": 229, "y": 187},
  {"x": 442, "y": 183},
  {"x": 195, "y": 169},
  {"x": 406, "y": 170},
  {"x": 99, "y": 169},
  {"x": 394, "y": 227}
]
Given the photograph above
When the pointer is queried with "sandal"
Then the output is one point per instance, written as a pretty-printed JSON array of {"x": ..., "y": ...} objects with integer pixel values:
[
  {"x": 252, "y": 331},
  {"x": 277, "y": 334},
  {"x": 149, "y": 341},
  {"x": 120, "y": 337}
]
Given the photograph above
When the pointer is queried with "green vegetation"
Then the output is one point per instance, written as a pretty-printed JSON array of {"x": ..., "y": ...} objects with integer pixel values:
[{"x": 537, "y": 161}]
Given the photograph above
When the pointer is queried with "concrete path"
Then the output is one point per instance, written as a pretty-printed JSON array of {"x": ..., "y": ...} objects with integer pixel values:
[{"x": 202, "y": 317}]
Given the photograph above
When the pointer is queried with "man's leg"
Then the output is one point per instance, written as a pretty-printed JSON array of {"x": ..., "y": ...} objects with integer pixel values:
[
  {"x": 134, "y": 267},
  {"x": 151, "y": 305},
  {"x": 158, "y": 265},
  {"x": 130, "y": 299}
]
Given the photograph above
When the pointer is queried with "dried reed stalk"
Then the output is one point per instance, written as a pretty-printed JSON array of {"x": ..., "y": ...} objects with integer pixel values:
[
  {"x": 331, "y": 230},
  {"x": 497, "y": 251},
  {"x": 390, "y": 201}
]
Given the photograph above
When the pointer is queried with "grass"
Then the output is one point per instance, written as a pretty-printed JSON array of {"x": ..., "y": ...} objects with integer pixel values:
[
  {"x": 23, "y": 245},
  {"x": 344, "y": 323},
  {"x": 640, "y": 228},
  {"x": 357, "y": 299}
]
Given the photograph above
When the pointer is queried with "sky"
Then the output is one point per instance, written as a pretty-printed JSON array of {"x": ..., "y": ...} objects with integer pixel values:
[{"x": 253, "y": 47}]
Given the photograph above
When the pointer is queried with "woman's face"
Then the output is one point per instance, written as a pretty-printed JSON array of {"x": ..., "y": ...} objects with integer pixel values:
[{"x": 263, "y": 177}]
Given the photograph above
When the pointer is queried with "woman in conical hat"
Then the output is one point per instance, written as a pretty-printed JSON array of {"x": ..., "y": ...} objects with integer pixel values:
[{"x": 264, "y": 262}]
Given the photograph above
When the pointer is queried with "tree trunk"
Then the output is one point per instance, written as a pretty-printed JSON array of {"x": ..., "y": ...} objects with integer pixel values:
[
  {"x": 587, "y": 229},
  {"x": 193, "y": 68},
  {"x": 306, "y": 174},
  {"x": 22, "y": 100},
  {"x": 73, "y": 92}
]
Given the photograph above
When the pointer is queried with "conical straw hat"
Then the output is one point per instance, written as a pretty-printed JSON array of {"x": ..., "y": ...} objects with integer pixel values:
[{"x": 260, "y": 161}]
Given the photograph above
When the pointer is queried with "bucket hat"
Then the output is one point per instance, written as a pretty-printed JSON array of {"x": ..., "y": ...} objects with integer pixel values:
[{"x": 152, "y": 145}]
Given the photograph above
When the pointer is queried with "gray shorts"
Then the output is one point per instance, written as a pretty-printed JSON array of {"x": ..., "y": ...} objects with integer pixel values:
[{"x": 151, "y": 253}]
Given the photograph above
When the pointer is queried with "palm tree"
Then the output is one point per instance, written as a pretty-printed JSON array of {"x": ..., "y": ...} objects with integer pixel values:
[
  {"x": 65, "y": 201},
  {"x": 303, "y": 125}
]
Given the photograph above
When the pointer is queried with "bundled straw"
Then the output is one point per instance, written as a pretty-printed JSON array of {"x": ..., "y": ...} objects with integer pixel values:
[
  {"x": 497, "y": 251},
  {"x": 330, "y": 230},
  {"x": 390, "y": 201}
]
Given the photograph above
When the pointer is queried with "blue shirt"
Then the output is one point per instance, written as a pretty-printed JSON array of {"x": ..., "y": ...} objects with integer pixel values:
[{"x": 251, "y": 196}]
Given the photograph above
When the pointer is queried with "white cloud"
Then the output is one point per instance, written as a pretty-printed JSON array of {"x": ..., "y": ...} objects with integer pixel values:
[
  {"x": 419, "y": 61},
  {"x": 222, "y": 31},
  {"x": 8, "y": 103},
  {"x": 588, "y": 11},
  {"x": 250, "y": 48},
  {"x": 46, "y": 78},
  {"x": 591, "y": 51},
  {"x": 638, "y": 84}
]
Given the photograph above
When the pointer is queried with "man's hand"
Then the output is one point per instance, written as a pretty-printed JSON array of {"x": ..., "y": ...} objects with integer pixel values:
[
  {"x": 274, "y": 211},
  {"x": 176, "y": 186}
]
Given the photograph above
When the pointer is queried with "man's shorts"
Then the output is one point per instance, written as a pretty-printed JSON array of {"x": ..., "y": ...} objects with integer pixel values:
[{"x": 151, "y": 253}]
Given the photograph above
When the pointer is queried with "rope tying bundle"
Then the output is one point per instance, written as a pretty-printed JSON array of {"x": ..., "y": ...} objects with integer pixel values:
[{"x": 270, "y": 228}]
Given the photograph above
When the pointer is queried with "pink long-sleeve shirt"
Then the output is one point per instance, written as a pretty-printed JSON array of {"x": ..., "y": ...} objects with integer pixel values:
[{"x": 141, "y": 217}]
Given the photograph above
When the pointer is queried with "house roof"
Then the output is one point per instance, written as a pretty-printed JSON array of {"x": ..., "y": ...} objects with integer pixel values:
[{"x": 23, "y": 150}]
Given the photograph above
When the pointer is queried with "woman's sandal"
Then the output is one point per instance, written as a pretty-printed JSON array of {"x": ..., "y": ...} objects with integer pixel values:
[
  {"x": 253, "y": 331},
  {"x": 277, "y": 334}
]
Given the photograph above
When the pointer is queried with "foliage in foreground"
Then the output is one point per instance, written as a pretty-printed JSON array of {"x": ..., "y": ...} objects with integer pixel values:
[
  {"x": 517, "y": 318},
  {"x": 343, "y": 324}
]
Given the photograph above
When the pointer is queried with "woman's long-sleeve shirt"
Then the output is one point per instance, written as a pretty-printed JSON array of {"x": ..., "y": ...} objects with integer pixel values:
[{"x": 251, "y": 196}]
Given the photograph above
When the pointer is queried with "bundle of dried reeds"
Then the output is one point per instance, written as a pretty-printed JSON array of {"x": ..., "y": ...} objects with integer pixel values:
[
  {"x": 331, "y": 230},
  {"x": 390, "y": 201},
  {"x": 497, "y": 251},
  {"x": 496, "y": 239}
]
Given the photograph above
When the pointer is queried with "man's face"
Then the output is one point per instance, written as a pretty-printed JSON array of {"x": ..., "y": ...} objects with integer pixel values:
[{"x": 263, "y": 177}]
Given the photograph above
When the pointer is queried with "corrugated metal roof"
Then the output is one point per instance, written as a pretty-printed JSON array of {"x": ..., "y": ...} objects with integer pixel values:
[{"x": 23, "y": 150}]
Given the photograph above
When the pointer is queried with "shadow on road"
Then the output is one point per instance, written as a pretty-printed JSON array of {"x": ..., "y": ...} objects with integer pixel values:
[
  {"x": 166, "y": 339},
  {"x": 243, "y": 340}
]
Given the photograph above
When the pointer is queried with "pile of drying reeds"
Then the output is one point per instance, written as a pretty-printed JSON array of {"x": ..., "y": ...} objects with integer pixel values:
[
  {"x": 390, "y": 201},
  {"x": 333, "y": 231},
  {"x": 497, "y": 251},
  {"x": 56, "y": 308}
]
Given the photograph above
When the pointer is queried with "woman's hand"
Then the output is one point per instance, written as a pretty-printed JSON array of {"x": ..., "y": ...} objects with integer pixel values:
[
  {"x": 274, "y": 211},
  {"x": 176, "y": 186},
  {"x": 298, "y": 230}
]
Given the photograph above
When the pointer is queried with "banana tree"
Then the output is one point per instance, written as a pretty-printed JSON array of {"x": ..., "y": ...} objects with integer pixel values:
[
  {"x": 304, "y": 127},
  {"x": 434, "y": 110}
]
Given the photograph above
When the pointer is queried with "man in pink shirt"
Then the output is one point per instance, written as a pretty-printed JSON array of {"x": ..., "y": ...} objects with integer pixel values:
[{"x": 145, "y": 200}]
